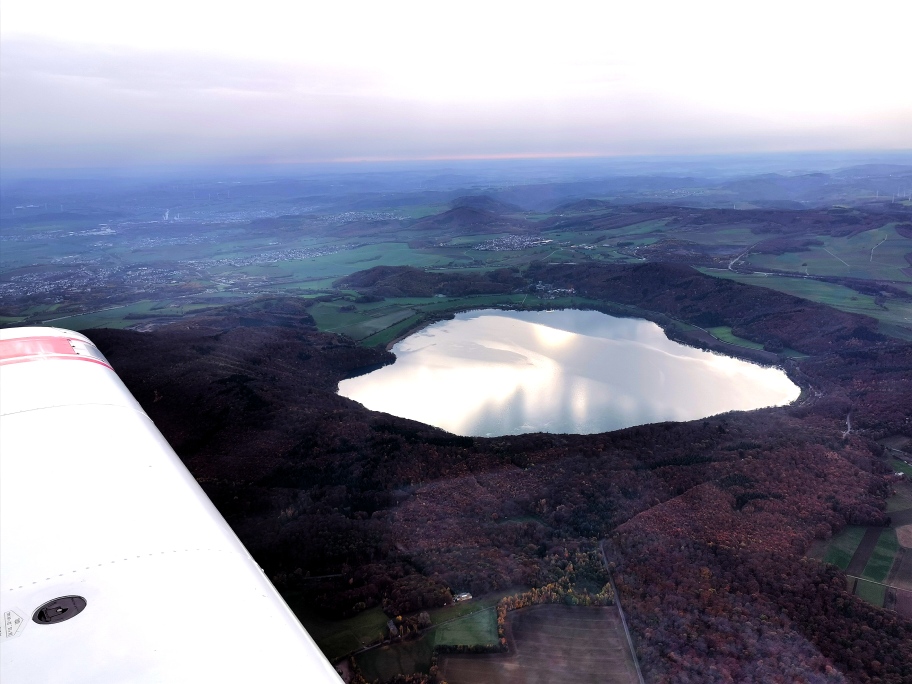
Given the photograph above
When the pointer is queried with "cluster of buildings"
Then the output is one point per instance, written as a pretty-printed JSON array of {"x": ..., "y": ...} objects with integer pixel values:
[{"x": 511, "y": 243}]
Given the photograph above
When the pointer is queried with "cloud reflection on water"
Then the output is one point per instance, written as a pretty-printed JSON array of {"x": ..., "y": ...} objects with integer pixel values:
[{"x": 496, "y": 372}]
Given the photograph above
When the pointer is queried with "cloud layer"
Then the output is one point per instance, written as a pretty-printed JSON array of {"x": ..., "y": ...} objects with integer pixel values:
[{"x": 97, "y": 83}]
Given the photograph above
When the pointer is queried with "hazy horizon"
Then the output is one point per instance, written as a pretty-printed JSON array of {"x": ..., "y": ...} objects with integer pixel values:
[
  {"x": 427, "y": 174},
  {"x": 100, "y": 84}
]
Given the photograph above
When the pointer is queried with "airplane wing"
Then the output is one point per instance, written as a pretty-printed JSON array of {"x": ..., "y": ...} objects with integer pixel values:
[{"x": 114, "y": 565}]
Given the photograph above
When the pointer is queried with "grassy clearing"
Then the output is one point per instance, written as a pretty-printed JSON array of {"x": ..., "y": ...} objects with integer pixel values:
[
  {"x": 337, "y": 638},
  {"x": 839, "y": 549},
  {"x": 734, "y": 236},
  {"x": 881, "y": 560},
  {"x": 330, "y": 317},
  {"x": 477, "y": 628},
  {"x": 107, "y": 318},
  {"x": 334, "y": 266},
  {"x": 376, "y": 324},
  {"x": 382, "y": 322},
  {"x": 125, "y": 316},
  {"x": 872, "y": 255},
  {"x": 654, "y": 226},
  {"x": 393, "y": 332},
  {"x": 468, "y": 622},
  {"x": 311, "y": 284},
  {"x": 552, "y": 643},
  {"x": 901, "y": 467},
  {"x": 894, "y": 314},
  {"x": 464, "y": 608},
  {"x": 724, "y": 333},
  {"x": 871, "y": 592},
  {"x": 385, "y": 662},
  {"x": 902, "y": 497},
  {"x": 76, "y": 321}
]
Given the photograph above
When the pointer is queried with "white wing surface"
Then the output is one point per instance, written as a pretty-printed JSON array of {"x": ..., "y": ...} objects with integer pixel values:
[{"x": 114, "y": 565}]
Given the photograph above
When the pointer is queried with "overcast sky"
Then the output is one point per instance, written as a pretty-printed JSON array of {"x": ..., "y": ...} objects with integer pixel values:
[{"x": 92, "y": 83}]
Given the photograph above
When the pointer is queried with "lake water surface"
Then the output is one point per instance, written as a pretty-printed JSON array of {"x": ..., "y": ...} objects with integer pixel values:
[{"x": 493, "y": 372}]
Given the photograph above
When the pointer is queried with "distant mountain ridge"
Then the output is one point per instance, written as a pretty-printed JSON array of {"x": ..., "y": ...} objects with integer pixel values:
[
  {"x": 485, "y": 203},
  {"x": 464, "y": 219}
]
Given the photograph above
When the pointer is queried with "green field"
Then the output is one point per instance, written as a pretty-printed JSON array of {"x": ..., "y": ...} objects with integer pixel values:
[
  {"x": 463, "y": 608},
  {"x": 885, "y": 567},
  {"x": 394, "y": 332},
  {"x": 552, "y": 643},
  {"x": 895, "y": 316},
  {"x": 872, "y": 592},
  {"x": 881, "y": 560},
  {"x": 378, "y": 323},
  {"x": 132, "y": 314},
  {"x": 338, "y": 638},
  {"x": 322, "y": 271},
  {"x": 871, "y": 255},
  {"x": 384, "y": 662},
  {"x": 468, "y": 622},
  {"x": 724, "y": 333},
  {"x": 901, "y": 466},
  {"x": 737, "y": 237},
  {"x": 902, "y": 497},
  {"x": 477, "y": 628},
  {"x": 839, "y": 549}
]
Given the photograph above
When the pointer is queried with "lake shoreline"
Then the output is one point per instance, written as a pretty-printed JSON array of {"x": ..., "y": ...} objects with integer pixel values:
[{"x": 503, "y": 374}]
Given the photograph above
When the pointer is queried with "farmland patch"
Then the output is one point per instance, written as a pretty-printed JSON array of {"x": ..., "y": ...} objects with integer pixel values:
[
  {"x": 881, "y": 560},
  {"x": 552, "y": 643}
]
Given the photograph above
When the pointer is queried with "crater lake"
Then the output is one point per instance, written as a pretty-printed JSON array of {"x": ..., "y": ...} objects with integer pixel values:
[{"x": 490, "y": 372}]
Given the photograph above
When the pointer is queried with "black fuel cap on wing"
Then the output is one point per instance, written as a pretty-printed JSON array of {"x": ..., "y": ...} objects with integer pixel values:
[{"x": 59, "y": 609}]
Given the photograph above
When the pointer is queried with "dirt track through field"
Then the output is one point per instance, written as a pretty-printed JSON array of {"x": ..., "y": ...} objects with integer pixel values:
[
  {"x": 552, "y": 644},
  {"x": 864, "y": 551}
]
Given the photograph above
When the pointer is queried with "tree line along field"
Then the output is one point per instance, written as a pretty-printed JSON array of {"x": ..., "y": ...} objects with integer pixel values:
[
  {"x": 467, "y": 623},
  {"x": 895, "y": 316},
  {"x": 547, "y": 643},
  {"x": 877, "y": 560},
  {"x": 378, "y": 323},
  {"x": 386, "y": 661},
  {"x": 552, "y": 643}
]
